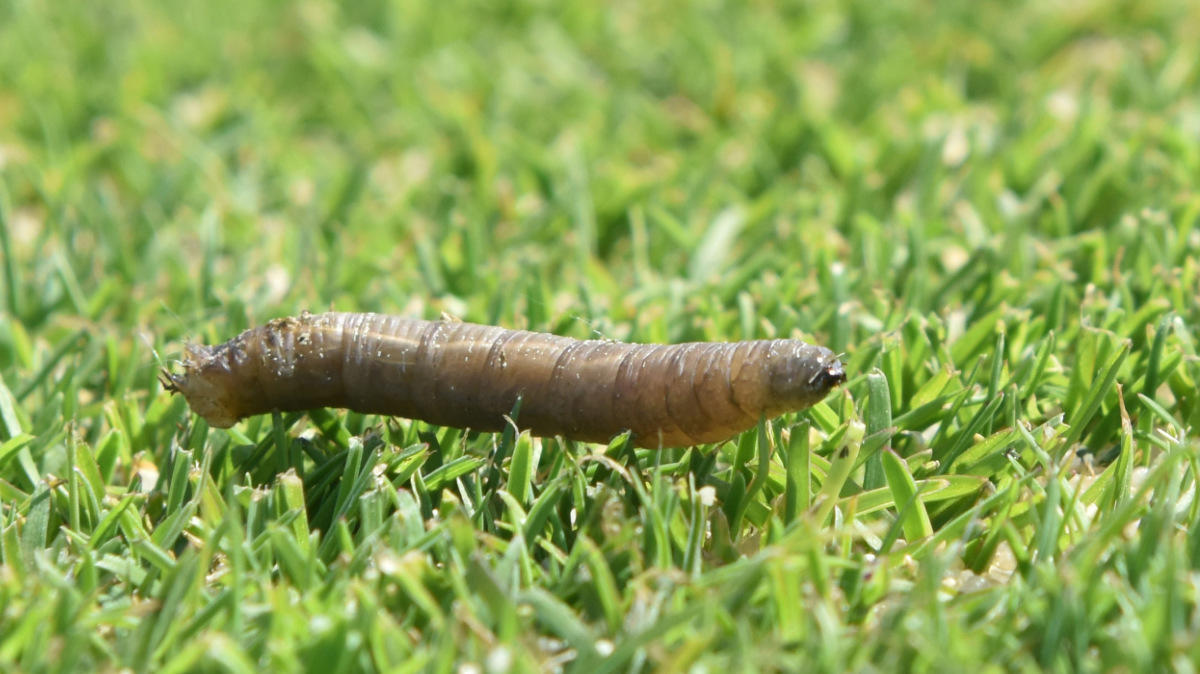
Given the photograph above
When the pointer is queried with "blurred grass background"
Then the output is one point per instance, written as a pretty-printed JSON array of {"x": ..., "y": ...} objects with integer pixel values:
[{"x": 989, "y": 208}]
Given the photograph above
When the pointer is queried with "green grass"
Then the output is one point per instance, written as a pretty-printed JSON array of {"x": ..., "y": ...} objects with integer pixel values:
[{"x": 989, "y": 208}]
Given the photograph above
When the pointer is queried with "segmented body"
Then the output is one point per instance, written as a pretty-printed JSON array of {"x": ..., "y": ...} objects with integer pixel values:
[{"x": 461, "y": 374}]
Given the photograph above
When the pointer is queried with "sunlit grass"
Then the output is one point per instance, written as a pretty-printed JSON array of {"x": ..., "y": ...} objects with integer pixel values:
[{"x": 990, "y": 210}]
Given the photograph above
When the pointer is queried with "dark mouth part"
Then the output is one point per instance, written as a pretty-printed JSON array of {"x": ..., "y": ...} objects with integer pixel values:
[{"x": 829, "y": 376}]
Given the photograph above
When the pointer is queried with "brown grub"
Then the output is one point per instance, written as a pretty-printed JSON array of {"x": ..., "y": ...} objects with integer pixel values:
[{"x": 452, "y": 373}]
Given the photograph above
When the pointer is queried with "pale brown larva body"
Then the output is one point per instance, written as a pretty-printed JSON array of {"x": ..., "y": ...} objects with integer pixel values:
[{"x": 452, "y": 373}]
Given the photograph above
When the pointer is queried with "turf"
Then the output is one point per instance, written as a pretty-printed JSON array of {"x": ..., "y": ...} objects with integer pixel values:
[{"x": 989, "y": 208}]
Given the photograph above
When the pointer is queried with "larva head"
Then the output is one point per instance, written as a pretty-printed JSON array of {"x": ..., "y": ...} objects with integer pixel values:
[
  {"x": 208, "y": 385},
  {"x": 801, "y": 374}
]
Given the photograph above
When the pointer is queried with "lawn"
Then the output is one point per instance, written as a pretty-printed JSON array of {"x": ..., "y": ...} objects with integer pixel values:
[{"x": 989, "y": 209}]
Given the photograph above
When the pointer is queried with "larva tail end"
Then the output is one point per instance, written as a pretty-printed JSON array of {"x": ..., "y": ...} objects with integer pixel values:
[
  {"x": 168, "y": 381},
  {"x": 207, "y": 385}
]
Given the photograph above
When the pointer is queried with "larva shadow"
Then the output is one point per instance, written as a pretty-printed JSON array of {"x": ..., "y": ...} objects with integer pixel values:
[{"x": 464, "y": 375}]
